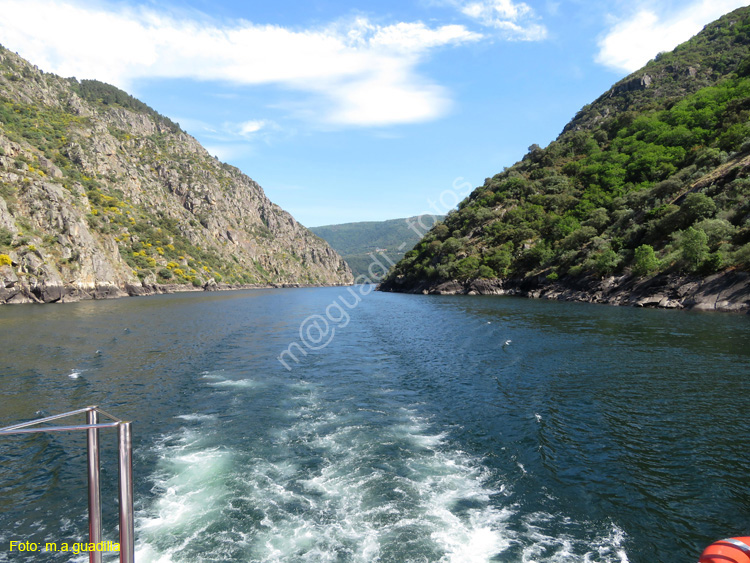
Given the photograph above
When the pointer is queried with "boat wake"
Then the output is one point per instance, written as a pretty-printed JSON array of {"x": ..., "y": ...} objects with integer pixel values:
[{"x": 336, "y": 482}]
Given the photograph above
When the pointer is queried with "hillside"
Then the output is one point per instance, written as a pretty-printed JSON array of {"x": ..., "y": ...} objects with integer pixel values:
[
  {"x": 366, "y": 243},
  {"x": 643, "y": 199},
  {"x": 101, "y": 196}
]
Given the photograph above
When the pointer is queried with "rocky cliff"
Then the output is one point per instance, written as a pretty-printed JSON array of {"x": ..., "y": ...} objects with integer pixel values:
[{"x": 100, "y": 196}]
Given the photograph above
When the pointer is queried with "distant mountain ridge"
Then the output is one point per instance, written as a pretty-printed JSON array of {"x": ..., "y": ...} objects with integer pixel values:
[
  {"x": 101, "y": 196},
  {"x": 372, "y": 247},
  {"x": 643, "y": 199}
]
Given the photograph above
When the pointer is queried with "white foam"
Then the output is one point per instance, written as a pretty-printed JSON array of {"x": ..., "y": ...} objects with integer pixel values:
[
  {"x": 190, "y": 482},
  {"x": 195, "y": 417},
  {"x": 562, "y": 548},
  {"x": 238, "y": 383},
  {"x": 211, "y": 375},
  {"x": 336, "y": 485},
  {"x": 349, "y": 506}
]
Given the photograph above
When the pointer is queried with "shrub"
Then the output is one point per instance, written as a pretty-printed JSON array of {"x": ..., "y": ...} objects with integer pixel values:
[
  {"x": 5, "y": 260},
  {"x": 717, "y": 230},
  {"x": 450, "y": 246},
  {"x": 166, "y": 274},
  {"x": 6, "y": 237},
  {"x": 606, "y": 262},
  {"x": 742, "y": 256},
  {"x": 713, "y": 263},
  {"x": 578, "y": 238},
  {"x": 486, "y": 272},
  {"x": 500, "y": 259}
]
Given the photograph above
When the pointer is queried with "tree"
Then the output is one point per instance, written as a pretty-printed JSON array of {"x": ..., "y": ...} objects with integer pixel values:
[
  {"x": 500, "y": 259},
  {"x": 645, "y": 261},
  {"x": 606, "y": 262},
  {"x": 693, "y": 245},
  {"x": 467, "y": 268},
  {"x": 450, "y": 246},
  {"x": 698, "y": 206}
]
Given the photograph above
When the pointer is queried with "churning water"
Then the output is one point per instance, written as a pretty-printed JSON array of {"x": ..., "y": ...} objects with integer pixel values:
[{"x": 399, "y": 428}]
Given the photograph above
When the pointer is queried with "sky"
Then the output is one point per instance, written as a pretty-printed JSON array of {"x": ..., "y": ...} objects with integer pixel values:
[{"x": 358, "y": 111}]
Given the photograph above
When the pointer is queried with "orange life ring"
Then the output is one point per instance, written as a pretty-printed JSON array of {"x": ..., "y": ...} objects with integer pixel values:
[{"x": 730, "y": 550}]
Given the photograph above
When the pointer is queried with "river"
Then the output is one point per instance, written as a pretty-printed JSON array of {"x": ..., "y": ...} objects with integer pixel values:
[{"x": 346, "y": 425}]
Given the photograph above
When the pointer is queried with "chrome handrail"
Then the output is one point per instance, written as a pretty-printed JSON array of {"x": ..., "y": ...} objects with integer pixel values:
[{"x": 125, "y": 456}]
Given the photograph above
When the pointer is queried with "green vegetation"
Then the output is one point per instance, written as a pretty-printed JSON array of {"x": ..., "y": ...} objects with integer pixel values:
[
  {"x": 6, "y": 238},
  {"x": 653, "y": 177},
  {"x": 107, "y": 95},
  {"x": 45, "y": 128},
  {"x": 360, "y": 244},
  {"x": 645, "y": 261}
]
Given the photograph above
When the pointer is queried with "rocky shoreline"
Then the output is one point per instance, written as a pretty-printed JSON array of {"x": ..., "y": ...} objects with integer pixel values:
[
  {"x": 45, "y": 293},
  {"x": 726, "y": 291}
]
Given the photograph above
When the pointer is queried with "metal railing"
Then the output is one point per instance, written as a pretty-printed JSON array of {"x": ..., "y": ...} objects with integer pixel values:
[{"x": 124, "y": 438}]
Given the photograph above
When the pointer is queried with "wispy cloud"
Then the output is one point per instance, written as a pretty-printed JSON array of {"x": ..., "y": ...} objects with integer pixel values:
[
  {"x": 633, "y": 41},
  {"x": 227, "y": 152},
  {"x": 358, "y": 73},
  {"x": 514, "y": 20}
]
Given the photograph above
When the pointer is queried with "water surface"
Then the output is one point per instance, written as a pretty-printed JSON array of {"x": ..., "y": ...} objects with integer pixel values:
[{"x": 411, "y": 428}]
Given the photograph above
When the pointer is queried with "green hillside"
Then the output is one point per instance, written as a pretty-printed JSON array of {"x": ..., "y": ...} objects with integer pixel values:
[
  {"x": 652, "y": 178},
  {"x": 371, "y": 242}
]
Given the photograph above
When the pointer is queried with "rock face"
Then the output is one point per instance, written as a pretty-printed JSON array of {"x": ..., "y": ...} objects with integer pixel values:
[
  {"x": 728, "y": 291},
  {"x": 101, "y": 197},
  {"x": 631, "y": 85}
]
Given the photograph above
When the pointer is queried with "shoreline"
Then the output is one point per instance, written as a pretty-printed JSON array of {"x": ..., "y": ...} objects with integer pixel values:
[
  {"x": 724, "y": 292},
  {"x": 49, "y": 294}
]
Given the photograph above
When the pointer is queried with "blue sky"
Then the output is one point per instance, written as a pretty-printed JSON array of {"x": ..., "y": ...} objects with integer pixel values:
[{"x": 358, "y": 111}]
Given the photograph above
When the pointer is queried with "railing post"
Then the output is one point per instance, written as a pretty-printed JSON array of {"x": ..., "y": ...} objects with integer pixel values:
[
  {"x": 127, "y": 539},
  {"x": 125, "y": 450},
  {"x": 95, "y": 501}
]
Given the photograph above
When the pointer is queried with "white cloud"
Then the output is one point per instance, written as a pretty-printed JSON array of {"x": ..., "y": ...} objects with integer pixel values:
[
  {"x": 516, "y": 20},
  {"x": 632, "y": 42},
  {"x": 417, "y": 37},
  {"x": 363, "y": 74},
  {"x": 248, "y": 128}
]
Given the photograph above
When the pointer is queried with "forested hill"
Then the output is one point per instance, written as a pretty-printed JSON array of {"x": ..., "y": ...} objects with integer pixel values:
[
  {"x": 100, "y": 196},
  {"x": 643, "y": 197},
  {"x": 375, "y": 244}
]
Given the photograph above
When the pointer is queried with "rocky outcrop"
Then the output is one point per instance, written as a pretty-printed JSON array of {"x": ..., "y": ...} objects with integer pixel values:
[
  {"x": 727, "y": 291},
  {"x": 98, "y": 200},
  {"x": 632, "y": 85}
]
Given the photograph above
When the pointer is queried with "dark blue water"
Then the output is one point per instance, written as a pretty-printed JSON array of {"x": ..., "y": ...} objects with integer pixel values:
[{"x": 405, "y": 429}]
